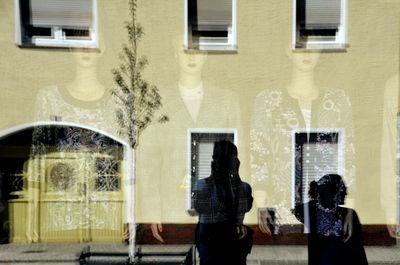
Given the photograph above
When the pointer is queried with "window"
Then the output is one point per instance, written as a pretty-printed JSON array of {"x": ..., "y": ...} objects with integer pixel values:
[
  {"x": 15, "y": 170},
  {"x": 200, "y": 150},
  {"x": 107, "y": 175},
  {"x": 56, "y": 23},
  {"x": 317, "y": 153},
  {"x": 210, "y": 24},
  {"x": 319, "y": 24}
]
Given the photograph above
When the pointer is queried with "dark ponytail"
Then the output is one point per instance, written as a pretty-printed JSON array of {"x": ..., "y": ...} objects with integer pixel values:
[
  {"x": 312, "y": 193},
  {"x": 225, "y": 172}
]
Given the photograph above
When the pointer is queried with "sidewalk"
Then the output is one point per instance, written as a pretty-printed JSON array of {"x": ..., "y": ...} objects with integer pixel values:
[
  {"x": 63, "y": 254},
  {"x": 297, "y": 255},
  {"x": 40, "y": 253}
]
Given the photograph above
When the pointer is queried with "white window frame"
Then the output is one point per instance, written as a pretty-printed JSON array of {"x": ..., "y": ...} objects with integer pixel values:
[
  {"x": 190, "y": 131},
  {"x": 341, "y": 153},
  {"x": 340, "y": 41},
  {"x": 58, "y": 40},
  {"x": 231, "y": 45}
]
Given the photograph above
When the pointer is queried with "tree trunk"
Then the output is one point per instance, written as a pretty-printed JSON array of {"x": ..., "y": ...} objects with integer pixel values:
[{"x": 130, "y": 201}]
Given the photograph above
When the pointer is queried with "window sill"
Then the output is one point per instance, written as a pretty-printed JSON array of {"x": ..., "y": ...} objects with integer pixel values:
[
  {"x": 58, "y": 44},
  {"x": 329, "y": 47},
  {"x": 218, "y": 48}
]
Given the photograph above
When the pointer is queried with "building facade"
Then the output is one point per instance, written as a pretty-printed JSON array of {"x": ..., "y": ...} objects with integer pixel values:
[{"x": 304, "y": 88}]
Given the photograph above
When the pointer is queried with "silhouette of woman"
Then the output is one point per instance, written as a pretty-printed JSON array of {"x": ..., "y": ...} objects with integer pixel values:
[
  {"x": 222, "y": 201},
  {"x": 334, "y": 232}
]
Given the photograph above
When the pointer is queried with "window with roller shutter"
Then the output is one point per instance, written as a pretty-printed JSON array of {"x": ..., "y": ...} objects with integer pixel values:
[
  {"x": 56, "y": 23},
  {"x": 210, "y": 24},
  {"x": 320, "y": 24}
]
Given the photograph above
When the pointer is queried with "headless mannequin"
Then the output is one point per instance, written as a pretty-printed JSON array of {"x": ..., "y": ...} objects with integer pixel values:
[{"x": 191, "y": 91}]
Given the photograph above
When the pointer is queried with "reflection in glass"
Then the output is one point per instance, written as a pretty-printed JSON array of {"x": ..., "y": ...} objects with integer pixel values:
[
  {"x": 163, "y": 152},
  {"x": 316, "y": 154},
  {"x": 107, "y": 175},
  {"x": 61, "y": 177},
  {"x": 57, "y": 23},
  {"x": 320, "y": 24},
  {"x": 334, "y": 232},
  {"x": 389, "y": 193},
  {"x": 300, "y": 105},
  {"x": 201, "y": 150},
  {"x": 61, "y": 202},
  {"x": 210, "y": 24}
]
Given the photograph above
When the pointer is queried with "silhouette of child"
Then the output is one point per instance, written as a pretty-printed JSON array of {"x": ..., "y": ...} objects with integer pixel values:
[{"x": 334, "y": 232}]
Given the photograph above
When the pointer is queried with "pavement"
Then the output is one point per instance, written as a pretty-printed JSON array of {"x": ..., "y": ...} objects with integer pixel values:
[{"x": 68, "y": 254}]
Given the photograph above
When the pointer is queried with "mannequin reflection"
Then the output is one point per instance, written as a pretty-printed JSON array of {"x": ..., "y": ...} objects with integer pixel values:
[
  {"x": 163, "y": 179},
  {"x": 190, "y": 79},
  {"x": 86, "y": 85},
  {"x": 191, "y": 91},
  {"x": 302, "y": 86},
  {"x": 277, "y": 113},
  {"x": 389, "y": 176},
  {"x": 83, "y": 101}
]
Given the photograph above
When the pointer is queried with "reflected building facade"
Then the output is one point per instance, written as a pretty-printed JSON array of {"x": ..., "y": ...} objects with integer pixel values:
[
  {"x": 300, "y": 95},
  {"x": 170, "y": 155},
  {"x": 299, "y": 133}
]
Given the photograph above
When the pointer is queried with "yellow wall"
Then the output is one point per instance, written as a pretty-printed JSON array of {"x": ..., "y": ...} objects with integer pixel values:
[{"x": 261, "y": 61}]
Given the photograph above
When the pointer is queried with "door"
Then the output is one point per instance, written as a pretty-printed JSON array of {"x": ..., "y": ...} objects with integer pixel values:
[
  {"x": 80, "y": 198},
  {"x": 105, "y": 199}
]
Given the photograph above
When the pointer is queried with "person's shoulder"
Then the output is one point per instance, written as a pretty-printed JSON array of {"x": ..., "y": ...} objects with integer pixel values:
[
  {"x": 246, "y": 186},
  {"x": 346, "y": 211},
  {"x": 270, "y": 98},
  {"x": 268, "y": 92},
  {"x": 172, "y": 103},
  {"x": 51, "y": 90},
  {"x": 391, "y": 86},
  {"x": 201, "y": 183},
  {"x": 393, "y": 80},
  {"x": 309, "y": 204},
  {"x": 333, "y": 93},
  {"x": 335, "y": 98},
  {"x": 218, "y": 92},
  {"x": 47, "y": 98}
]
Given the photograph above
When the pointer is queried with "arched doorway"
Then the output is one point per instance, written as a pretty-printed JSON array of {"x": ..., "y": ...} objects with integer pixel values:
[{"x": 62, "y": 182}]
